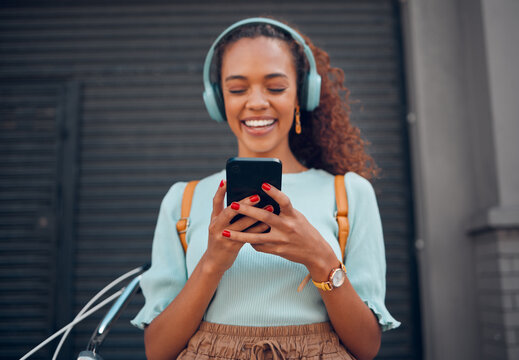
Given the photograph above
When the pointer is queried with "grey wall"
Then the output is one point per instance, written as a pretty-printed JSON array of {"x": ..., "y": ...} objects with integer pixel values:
[
  {"x": 441, "y": 161},
  {"x": 502, "y": 53},
  {"x": 463, "y": 87}
]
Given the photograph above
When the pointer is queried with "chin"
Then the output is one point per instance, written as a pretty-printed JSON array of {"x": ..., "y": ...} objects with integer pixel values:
[{"x": 258, "y": 150}]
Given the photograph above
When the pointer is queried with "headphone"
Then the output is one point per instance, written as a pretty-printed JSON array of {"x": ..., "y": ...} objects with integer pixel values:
[{"x": 311, "y": 87}]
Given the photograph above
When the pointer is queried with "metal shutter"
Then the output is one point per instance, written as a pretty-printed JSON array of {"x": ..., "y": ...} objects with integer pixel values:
[
  {"x": 144, "y": 126},
  {"x": 27, "y": 194}
]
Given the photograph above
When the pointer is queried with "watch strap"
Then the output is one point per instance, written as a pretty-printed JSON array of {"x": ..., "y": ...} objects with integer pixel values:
[
  {"x": 328, "y": 285},
  {"x": 325, "y": 285}
]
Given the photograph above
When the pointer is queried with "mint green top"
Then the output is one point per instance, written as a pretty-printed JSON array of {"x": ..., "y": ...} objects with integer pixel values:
[{"x": 261, "y": 289}]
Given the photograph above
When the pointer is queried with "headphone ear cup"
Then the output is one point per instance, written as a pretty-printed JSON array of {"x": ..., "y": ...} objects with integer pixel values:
[
  {"x": 312, "y": 91},
  {"x": 219, "y": 101},
  {"x": 214, "y": 103}
]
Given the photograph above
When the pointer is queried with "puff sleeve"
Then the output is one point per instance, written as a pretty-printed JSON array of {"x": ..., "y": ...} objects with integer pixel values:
[
  {"x": 365, "y": 258},
  {"x": 167, "y": 274}
]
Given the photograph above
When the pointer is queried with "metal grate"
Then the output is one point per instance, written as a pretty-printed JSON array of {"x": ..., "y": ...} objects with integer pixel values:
[{"x": 28, "y": 183}]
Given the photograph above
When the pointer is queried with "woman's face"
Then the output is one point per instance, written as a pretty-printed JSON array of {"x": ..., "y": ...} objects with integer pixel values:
[{"x": 260, "y": 93}]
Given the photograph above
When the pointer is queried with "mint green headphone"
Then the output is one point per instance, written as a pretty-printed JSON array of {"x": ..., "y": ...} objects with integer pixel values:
[{"x": 311, "y": 87}]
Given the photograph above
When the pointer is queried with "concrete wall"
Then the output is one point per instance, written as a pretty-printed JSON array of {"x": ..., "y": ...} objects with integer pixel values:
[
  {"x": 463, "y": 90},
  {"x": 495, "y": 228}
]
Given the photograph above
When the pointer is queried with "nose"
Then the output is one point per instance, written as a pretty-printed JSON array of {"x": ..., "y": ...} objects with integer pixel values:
[{"x": 257, "y": 100}]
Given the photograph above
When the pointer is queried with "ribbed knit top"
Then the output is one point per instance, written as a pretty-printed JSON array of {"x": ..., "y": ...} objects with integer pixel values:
[{"x": 261, "y": 289}]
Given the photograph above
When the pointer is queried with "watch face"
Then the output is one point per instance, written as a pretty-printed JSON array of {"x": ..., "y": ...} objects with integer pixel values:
[{"x": 338, "y": 278}]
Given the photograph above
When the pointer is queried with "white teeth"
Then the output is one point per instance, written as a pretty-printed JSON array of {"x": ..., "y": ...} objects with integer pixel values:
[{"x": 258, "y": 123}]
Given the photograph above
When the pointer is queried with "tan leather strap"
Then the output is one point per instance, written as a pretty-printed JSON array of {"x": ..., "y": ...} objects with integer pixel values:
[
  {"x": 341, "y": 199},
  {"x": 183, "y": 222}
]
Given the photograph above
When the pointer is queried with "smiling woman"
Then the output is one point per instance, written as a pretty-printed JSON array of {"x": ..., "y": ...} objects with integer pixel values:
[
  {"x": 233, "y": 295},
  {"x": 259, "y": 85},
  {"x": 327, "y": 140}
]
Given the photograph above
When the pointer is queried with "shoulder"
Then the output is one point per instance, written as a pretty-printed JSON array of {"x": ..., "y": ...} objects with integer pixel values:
[
  {"x": 362, "y": 201},
  {"x": 205, "y": 187},
  {"x": 358, "y": 186},
  {"x": 174, "y": 194},
  {"x": 176, "y": 191}
]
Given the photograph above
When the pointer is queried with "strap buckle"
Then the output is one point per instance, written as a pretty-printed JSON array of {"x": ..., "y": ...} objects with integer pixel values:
[{"x": 186, "y": 225}]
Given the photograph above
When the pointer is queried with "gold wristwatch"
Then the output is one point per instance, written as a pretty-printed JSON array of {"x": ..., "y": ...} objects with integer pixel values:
[{"x": 336, "y": 279}]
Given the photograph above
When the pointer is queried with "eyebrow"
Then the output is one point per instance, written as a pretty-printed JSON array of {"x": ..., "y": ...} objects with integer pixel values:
[{"x": 241, "y": 77}]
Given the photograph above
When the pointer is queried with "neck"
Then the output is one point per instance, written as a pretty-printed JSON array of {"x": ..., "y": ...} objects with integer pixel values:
[{"x": 289, "y": 161}]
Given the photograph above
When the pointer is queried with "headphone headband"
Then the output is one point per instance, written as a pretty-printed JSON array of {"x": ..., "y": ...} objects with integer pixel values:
[{"x": 311, "y": 86}]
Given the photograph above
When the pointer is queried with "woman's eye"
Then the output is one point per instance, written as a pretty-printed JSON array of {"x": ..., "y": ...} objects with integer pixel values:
[
  {"x": 241, "y": 91},
  {"x": 277, "y": 90}
]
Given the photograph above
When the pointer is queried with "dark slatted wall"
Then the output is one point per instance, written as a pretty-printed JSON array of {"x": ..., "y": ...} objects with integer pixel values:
[
  {"x": 143, "y": 127},
  {"x": 28, "y": 177}
]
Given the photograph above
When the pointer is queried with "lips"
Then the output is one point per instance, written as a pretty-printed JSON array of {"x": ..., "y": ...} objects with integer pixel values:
[{"x": 258, "y": 126}]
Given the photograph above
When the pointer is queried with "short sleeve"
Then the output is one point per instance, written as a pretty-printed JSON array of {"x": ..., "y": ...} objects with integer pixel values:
[
  {"x": 167, "y": 274},
  {"x": 365, "y": 259}
]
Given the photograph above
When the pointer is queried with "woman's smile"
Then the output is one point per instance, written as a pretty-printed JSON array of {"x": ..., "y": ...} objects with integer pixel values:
[
  {"x": 259, "y": 84},
  {"x": 258, "y": 125}
]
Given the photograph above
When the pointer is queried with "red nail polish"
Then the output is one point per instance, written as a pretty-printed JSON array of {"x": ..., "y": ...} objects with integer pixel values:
[
  {"x": 222, "y": 183},
  {"x": 235, "y": 206},
  {"x": 226, "y": 233},
  {"x": 269, "y": 208},
  {"x": 254, "y": 198},
  {"x": 265, "y": 187}
]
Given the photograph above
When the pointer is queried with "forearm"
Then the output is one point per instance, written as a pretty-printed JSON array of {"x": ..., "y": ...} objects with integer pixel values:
[
  {"x": 353, "y": 321},
  {"x": 169, "y": 332}
]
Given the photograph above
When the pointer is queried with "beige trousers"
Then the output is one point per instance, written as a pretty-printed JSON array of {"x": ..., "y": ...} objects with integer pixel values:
[{"x": 216, "y": 341}]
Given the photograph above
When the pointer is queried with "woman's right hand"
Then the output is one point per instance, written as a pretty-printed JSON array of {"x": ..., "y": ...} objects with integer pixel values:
[
  {"x": 221, "y": 252},
  {"x": 168, "y": 334}
]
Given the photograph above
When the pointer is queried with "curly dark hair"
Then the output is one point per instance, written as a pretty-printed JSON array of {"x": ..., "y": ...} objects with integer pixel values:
[{"x": 328, "y": 141}]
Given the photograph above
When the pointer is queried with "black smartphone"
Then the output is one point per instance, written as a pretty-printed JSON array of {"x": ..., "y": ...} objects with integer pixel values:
[{"x": 246, "y": 175}]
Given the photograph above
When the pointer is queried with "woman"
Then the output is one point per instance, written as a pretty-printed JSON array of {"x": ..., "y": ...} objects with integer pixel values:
[{"x": 233, "y": 294}]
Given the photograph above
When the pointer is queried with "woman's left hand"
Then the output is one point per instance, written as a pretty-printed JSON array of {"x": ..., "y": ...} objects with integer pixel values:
[
  {"x": 291, "y": 236},
  {"x": 294, "y": 238}
]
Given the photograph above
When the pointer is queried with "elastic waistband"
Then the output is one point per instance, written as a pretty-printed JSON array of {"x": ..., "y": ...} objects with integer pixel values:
[{"x": 270, "y": 331}]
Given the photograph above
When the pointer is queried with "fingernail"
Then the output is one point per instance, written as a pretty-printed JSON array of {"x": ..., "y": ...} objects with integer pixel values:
[
  {"x": 254, "y": 198},
  {"x": 226, "y": 233},
  {"x": 269, "y": 208},
  {"x": 222, "y": 183},
  {"x": 235, "y": 206},
  {"x": 265, "y": 187}
]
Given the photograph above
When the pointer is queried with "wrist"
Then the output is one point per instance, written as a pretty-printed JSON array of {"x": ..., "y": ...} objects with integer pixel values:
[
  {"x": 321, "y": 267},
  {"x": 210, "y": 269}
]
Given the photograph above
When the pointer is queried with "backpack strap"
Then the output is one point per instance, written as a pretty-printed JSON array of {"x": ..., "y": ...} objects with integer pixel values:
[
  {"x": 341, "y": 198},
  {"x": 183, "y": 222}
]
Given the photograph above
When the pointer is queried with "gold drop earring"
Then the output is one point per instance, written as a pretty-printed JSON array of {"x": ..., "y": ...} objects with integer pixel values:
[{"x": 298, "y": 121}]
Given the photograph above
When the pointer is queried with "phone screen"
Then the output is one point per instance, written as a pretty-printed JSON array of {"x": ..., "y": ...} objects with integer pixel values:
[{"x": 246, "y": 175}]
